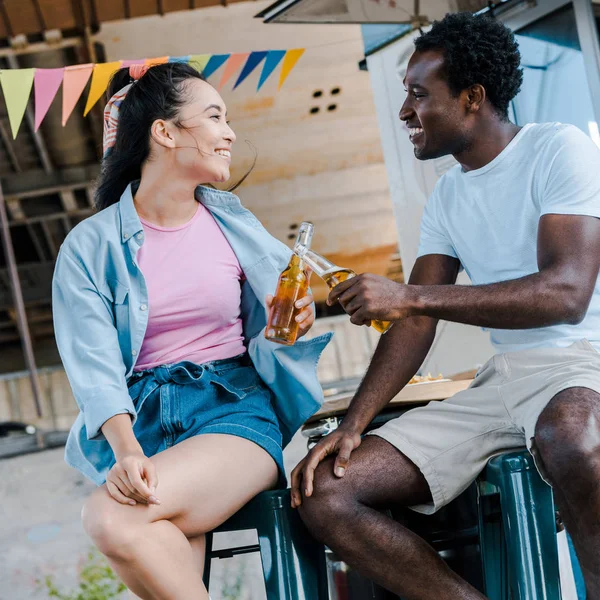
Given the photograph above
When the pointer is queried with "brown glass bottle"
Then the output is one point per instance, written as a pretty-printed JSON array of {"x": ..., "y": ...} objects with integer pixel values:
[
  {"x": 282, "y": 327},
  {"x": 332, "y": 275}
]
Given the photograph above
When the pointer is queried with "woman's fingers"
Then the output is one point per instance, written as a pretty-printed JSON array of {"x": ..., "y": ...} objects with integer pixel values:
[{"x": 118, "y": 495}]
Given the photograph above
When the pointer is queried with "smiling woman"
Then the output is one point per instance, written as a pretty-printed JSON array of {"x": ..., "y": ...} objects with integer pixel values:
[{"x": 159, "y": 309}]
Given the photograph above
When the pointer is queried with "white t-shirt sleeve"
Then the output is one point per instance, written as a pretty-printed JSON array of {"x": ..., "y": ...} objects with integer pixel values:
[
  {"x": 573, "y": 175},
  {"x": 434, "y": 236}
]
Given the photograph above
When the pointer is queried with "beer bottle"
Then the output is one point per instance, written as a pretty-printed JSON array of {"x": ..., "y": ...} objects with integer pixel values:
[
  {"x": 332, "y": 275},
  {"x": 282, "y": 327}
]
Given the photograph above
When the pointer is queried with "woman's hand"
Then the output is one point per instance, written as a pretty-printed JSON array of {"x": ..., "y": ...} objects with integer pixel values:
[
  {"x": 305, "y": 318},
  {"x": 133, "y": 479}
]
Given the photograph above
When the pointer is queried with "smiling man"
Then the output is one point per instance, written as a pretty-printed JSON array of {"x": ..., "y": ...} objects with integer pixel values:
[{"x": 521, "y": 214}]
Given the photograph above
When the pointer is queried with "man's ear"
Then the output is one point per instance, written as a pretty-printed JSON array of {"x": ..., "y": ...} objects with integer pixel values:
[
  {"x": 475, "y": 97},
  {"x": 162, "y": 133}
]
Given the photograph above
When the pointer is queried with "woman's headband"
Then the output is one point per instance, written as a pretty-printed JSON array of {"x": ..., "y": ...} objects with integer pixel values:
[{"x": 111, "y": 111}]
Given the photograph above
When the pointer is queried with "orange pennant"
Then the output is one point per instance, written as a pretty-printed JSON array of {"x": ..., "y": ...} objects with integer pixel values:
[
  {"x": 156, "y": 61},
  {"x": 289, "y": 62},
  {"x": 233, "y": 64},
  {"x": 74, "y": 82}
]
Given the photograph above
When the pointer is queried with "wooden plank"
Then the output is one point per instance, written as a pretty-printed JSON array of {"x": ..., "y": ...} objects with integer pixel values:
[
  {"x": 110, "y": 10},
  {"x": 58, "y": 14},
  {"x": 411, "y": 394},
  {"x": 22, "y": 16},
  {"x": 174, "y": 5},
  {"x": 142, "y": 8}
]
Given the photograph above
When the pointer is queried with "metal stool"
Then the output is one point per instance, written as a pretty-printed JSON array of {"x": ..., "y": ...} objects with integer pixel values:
[
  {"x": 293, "y": 562},
  {"x": 517, "y": 530}
]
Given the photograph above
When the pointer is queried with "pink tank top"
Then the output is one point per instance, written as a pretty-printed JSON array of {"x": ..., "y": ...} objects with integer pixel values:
[{"x": 194, "y": 293}]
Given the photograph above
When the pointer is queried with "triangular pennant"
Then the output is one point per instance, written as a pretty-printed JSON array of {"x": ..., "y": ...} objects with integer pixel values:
[
  {"x": 46, "y": 83},
  {"x": 199, "y": 61},
  {"x": 180, "y": 59},
  {"x": 273, "y": 59},
  {"x": 74, "y": 82},
  {"x": 16, "y": 85},
  {"x": 161, "y": 60},
  {"x": 253, "y": 61},
  {"x": 100, "y": 78},
  {"x": 128, "y": 63},
  {"x": 289, "y": 62},
  {"x": 214, "y": 62},
  {"x": 233, "y": 64}
]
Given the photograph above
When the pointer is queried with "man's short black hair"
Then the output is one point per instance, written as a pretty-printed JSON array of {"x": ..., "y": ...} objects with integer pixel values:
[{"x": 477, "y": 49}]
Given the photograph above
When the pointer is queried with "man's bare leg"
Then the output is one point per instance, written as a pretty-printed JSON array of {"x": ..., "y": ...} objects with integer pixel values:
[
  {"x": 342, "y": 513},
  {"x": 567, "y": 438}
]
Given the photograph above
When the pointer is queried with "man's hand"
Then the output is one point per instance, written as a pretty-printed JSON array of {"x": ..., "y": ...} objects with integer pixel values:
[
  {"x": 340, "y": 442},
  {"x": 367, "y": 297}
]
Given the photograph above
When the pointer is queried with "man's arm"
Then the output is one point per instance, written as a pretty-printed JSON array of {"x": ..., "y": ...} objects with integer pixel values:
[
  {"x": 568, "y": 263},
  {"x": 399, "y": 354},
  {"x": 402, "y": 350}
]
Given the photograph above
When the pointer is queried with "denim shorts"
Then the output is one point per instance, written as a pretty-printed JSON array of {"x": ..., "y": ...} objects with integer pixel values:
[{"x": 179, "y": 401}]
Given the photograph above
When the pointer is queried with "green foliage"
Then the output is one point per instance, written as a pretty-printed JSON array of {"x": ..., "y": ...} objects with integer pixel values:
[
  {"x": 97, "y": 581},
  {"x": 233, "y": 582}
]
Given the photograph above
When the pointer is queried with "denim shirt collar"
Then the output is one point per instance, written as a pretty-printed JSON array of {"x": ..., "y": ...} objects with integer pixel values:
[{"x": 130, "y": 220}]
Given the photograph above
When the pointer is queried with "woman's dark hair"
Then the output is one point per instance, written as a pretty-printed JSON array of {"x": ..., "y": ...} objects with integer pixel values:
[
  {"x": 477, "y": 49},
  {"x": 159, "y": 94}
]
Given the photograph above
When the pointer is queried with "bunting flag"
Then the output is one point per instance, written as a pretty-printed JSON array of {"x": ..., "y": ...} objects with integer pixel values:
[
  {"x": 199, "y": 61},
  {"x": 253, "y": 61},
  {"x": 128, "y": 63},
  {"x": 45, "y": 85},
  {"x": 289, "y": 62},
  {"x": 233, "y": 64},
  {"x": 100, "y": 78},
  {"x": 273, "y": 59},
  {"x": 156, "y": 61},
  {"x": 214, "y": 62},
  {"x": 74, "y": 81},
  {"x": 16, "y": 85}
]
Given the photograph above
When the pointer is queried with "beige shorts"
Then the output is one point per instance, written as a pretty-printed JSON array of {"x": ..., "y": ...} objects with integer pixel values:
[{"x": 452, "y": 441}]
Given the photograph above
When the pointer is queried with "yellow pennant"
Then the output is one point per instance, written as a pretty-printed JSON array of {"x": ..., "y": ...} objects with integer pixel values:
[
  {"x": 289, "y": 62},
  {"x": 100, "y": 78},
  {"x": 199, "y": 61}
]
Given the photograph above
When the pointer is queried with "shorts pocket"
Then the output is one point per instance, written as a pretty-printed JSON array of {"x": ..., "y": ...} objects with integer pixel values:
[{"x": 243, "y": 379}]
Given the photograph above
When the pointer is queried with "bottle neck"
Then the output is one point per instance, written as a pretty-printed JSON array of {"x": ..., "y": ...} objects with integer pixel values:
[
  {"x": 296, "y": 261},
  {"x": 317, "y": 263}
]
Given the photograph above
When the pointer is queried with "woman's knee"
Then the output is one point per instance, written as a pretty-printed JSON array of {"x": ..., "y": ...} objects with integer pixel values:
[{"x": 103, "y": 522}]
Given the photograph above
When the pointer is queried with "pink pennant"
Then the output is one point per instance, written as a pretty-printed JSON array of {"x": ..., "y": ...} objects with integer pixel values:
[
  {"x": 233, "y": 64},
  {"x": 74, "y": 82},
  {"x": 128, "y": 63},
  {"x": 45, "y": 85}
]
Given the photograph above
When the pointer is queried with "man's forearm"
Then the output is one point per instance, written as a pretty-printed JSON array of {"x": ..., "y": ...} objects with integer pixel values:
[
  {"x": 398, "y": 356},
  {"x": 529, "y": 302}
]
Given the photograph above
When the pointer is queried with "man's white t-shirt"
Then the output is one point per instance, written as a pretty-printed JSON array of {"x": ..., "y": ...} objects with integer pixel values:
[{"x": 488, "y": 218}]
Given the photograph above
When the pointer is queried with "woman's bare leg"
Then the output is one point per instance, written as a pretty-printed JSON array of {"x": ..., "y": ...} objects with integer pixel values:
[
  {"x": 198, "y": 545},
  {"x": 202, "y": 482}
]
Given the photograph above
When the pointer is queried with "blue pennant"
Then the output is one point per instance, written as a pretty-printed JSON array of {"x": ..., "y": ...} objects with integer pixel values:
[
  {"x": 274, "y": 57},
  {"x": 253, "y": 61}
]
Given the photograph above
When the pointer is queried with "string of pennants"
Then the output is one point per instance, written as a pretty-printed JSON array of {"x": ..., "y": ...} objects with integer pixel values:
[{"x": 17, "y": 83}]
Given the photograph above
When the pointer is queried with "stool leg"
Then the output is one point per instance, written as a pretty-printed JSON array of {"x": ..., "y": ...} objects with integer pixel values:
[
  {"x": 293, "y": 562},
  {"x": 529, "y": 528},
  {"x": 207, "y": 559},
  {"x": 491, "y": 543}
]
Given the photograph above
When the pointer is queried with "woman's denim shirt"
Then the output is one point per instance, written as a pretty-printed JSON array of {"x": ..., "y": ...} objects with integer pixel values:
[{"x": 100, "y": 306}]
